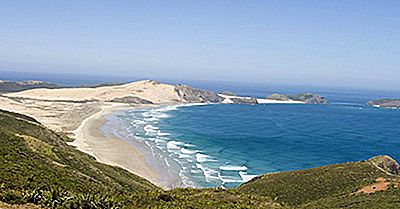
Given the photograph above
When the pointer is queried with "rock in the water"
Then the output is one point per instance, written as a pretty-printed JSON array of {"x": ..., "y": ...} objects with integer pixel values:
[
  {"x": 388, "y": 103},
  {"x": 307, "y": 98},
  {"x": 190, "y": 94}
]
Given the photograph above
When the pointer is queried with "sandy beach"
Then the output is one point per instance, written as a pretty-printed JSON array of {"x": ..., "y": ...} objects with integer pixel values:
[
  {"x": 81, "y": 112},
  {"x": 110, "y": 149}
]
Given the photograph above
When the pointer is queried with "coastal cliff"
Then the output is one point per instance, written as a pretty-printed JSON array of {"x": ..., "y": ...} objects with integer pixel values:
[
  {"x": 194, "y": 95},
  {"x": 139, "y": 92}
]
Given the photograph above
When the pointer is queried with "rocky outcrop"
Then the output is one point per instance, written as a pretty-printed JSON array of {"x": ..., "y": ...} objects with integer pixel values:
[
  {"x": 386, "y": 164},
  {"x": 244, "y": 100},
  {"x": 388, "y": 103},
  {"x": 193, "y": 95},
  {"x": 228, "y": 99},
  {"x": 131, "y": 100},
  {"x": 307, "y": 98},
  {"x": 280, "y": 97},
  {"x": 228, "y": 93}
]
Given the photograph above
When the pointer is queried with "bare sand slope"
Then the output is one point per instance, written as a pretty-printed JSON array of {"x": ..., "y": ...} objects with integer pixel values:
[
  {"x": 80, "y": 112},
  {"x": 147, "y": 89},
  {"x": 58, "y": 116},
  {"x": 65, "y": 108}
]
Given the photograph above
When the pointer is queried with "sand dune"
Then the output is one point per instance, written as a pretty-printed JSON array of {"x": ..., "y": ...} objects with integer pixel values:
[
  {"x": 146, "y": 89},
  {"x": 79, "y": 112},
  {"x": 65, "y": 108}
]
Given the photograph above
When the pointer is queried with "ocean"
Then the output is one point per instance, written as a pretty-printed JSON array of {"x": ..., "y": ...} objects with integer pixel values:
[{"x": 225, "y": 145}]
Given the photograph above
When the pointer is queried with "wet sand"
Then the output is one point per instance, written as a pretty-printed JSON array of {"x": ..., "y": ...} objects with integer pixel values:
[{"x": 112, "y": 150}]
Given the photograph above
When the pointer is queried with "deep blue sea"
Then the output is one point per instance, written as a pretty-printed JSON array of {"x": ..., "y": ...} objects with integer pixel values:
[{"x": 226, "y": 145}]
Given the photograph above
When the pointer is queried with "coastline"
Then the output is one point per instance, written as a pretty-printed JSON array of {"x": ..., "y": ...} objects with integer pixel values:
[{"x": 113, "y": 150}]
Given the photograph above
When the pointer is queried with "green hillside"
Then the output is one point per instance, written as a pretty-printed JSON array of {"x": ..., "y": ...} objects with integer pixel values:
[
  {"x": 38, "y": 168},
  {"x": 332, "y": 186}
]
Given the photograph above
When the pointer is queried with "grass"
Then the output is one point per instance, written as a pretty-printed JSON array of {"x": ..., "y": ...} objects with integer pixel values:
[
  {"x": 37, "y": 166},
  {"x": 332, "y": 186}
]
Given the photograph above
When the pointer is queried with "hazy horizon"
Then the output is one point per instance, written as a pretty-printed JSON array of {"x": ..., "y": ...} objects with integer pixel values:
[{"x": 349, "y": 44}]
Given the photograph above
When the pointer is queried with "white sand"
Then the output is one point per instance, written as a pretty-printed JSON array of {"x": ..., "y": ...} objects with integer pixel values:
[
  {"x": 80, "y": 113},
  {"x": 272, "y": 101},
  {"x": 147, "y": 89},
  {"x": 114, "y": 151},
  {"x": 228, "y": 100}
]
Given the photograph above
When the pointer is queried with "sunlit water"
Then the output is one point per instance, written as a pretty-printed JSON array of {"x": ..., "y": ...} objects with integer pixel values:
[{"x": 225, "y": 145}]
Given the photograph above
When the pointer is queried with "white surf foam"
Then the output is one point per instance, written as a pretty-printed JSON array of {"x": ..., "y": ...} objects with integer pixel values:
[
  {"x": 230, "y": 179},
  {"x": 246, "y": 177},
  {"x": 187, "y": 151},
  {"x": 203, "y": 158},
  {"x": 150, "y": 129},
  {"x": 159, "y": 141},
  {"x": 174, "y": 145},
  {"x": 232, "y": 168},
  {"x": 166, "y": 162},
  {"x": 209, "y": 173},
  {"x": 184, "y": 156},
  {"x": 159, "y": 133}
]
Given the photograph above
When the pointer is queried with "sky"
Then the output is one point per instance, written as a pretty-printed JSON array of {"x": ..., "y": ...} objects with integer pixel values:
[{"x": 342, "y": 43}]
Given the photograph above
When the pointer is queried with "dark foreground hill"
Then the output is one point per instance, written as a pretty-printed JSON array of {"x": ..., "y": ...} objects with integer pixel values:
[{"x": 38, "y": 169}]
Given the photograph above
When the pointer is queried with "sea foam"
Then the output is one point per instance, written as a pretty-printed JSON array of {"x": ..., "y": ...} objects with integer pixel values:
[{"x": 232, "y": 168}]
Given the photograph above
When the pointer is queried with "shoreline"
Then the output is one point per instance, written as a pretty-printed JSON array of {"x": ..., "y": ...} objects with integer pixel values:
[
  {"x": 113, "y": 150},
  {"x": 111, "y": 147}
]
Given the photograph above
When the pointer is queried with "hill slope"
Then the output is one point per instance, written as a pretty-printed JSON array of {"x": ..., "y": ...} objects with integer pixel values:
[
  {"x": 33, "y": 157},
  {"x": 146, "y": 90},
  {"x": 37, "y": 166},
  {"x": 367, "y": 184},
  {"x": 11, "y": 86}
]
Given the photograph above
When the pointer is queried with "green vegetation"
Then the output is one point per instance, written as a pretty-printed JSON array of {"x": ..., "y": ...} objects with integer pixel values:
[
  {"x": 321, "y": 187},
  {"x": 38, "y": 167}
]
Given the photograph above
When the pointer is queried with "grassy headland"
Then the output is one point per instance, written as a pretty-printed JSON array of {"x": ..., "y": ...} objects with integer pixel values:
[{"x": 37, "y": 166}]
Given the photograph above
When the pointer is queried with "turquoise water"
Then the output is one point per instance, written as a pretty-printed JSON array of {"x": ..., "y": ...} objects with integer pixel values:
[{"x": 225, "y": 145}]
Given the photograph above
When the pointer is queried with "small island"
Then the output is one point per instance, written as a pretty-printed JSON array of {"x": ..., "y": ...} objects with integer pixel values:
[
  {"x": 307, "y": 98},
  {"x": 386, "y": 103}
]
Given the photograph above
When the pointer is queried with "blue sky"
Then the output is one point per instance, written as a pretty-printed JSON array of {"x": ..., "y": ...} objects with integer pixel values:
[{"x": 327, "y": 43}]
